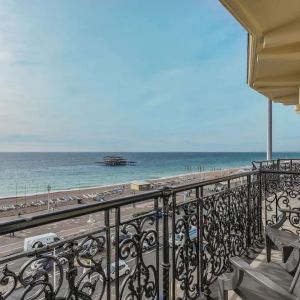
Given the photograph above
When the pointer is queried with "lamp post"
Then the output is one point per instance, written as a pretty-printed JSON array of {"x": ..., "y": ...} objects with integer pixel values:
[
  {"x": 36, "y": 191},
  {"x": 49, "y": 189},
  {"x": 25, "y": 197},
  {"x": 16, "y": 194}
]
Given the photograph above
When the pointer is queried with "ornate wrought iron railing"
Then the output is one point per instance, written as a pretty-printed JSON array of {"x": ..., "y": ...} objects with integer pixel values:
[
  {"x": 277, "y": 164},
  {"x": 175, "y": 250},
  {"x": 281, "y": 189}
]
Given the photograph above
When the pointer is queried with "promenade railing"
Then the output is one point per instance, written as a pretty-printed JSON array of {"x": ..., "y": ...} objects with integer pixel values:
[
  {"x": 175, "y": 250},
  {"x": 292, "y": 164}
]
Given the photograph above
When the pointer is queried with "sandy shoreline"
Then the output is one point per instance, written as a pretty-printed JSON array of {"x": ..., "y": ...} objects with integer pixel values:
[{"x": 169, "y": 180}]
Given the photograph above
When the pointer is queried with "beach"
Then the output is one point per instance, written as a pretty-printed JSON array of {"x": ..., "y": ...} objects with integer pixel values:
[{"x": 62, "y": 199}]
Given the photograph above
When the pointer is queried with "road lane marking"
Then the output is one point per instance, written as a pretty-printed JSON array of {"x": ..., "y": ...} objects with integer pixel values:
[
  {"x": 20, "y": 248},
  {"x": 11, "y": 244},
  {"x": 125, "y": 216}
]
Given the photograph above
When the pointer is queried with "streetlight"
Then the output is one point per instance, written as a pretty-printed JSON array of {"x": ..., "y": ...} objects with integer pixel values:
[
  {"x": 16, "y": 194},
  {"x": 49, "y": 189},
  {"x": 25, "y": 197},
  {"x": 36, "y": 191},
  {"x": 184, "y": 197}
]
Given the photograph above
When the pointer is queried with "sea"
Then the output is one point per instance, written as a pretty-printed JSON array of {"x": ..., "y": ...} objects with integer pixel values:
[{"x": 30, "y": 173}]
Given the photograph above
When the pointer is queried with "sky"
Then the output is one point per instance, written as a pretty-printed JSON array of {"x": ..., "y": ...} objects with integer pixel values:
[{"x": 91, "y": 75}]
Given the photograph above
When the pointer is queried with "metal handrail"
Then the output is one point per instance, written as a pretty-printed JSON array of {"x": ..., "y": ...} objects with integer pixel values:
[
  {"x": 273, "y": 164},
  {"x": 280, "y": 172}
]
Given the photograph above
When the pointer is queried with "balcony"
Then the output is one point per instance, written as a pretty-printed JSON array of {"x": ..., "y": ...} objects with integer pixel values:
[{"x": 173, "y": 249}]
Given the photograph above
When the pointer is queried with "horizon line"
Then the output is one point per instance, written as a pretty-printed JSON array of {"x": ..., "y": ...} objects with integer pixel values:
[{"x": 70, "y": 151}]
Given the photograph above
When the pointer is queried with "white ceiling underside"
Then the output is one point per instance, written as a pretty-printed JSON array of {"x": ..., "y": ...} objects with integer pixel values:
[{"x": 274, "y": 46}]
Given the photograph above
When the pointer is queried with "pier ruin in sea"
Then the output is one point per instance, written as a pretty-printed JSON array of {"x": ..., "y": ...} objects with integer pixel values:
[{"x": 114, "y": 160}]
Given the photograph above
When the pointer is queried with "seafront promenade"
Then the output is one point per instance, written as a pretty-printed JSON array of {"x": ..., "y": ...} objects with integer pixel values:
[
  {"x": 13, "y": 206},
  {"x": 10, "y": 244}
]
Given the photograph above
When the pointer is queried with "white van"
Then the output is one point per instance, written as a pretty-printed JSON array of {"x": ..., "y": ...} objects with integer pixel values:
[{"x": 40, "y": 241}]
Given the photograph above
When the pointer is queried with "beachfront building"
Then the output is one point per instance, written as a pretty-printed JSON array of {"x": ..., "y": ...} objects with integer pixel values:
[
  {"x": 140, "y": 185},
  {"x": 181, "y": 249}
]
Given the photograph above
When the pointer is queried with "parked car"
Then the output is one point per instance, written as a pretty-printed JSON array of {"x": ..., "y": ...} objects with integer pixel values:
[
  {"x": 99, "y": 199},
  {"x": 123, "y": 269},
  {"x": 160, "y": 213},
  {"x": 180, "y": 237},
  {"x": 45, "y": 264},
  {"x": 90, "y": 247},
  {"x": 122, "y": 237},
  {"x": 178, "y": 240},
  {"x": 147, "y": 245}
]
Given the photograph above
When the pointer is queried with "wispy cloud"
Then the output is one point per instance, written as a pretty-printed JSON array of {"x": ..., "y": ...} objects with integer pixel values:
[{"x": 135, "y": 76}]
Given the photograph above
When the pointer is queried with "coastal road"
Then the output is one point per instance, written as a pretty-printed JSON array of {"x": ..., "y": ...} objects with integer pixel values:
[
  {"x": 66, "y": 229},
  {"x": 72, "y": 227},
  {"x": 15, "y": 266},
  {"x": 149, "y": 258}
]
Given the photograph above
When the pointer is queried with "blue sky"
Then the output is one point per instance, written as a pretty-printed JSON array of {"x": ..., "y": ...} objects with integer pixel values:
[{"x": 95, "y": 75}]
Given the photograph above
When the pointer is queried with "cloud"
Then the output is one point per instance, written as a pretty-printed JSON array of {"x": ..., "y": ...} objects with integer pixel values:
[{"x": 138, "y": 76}]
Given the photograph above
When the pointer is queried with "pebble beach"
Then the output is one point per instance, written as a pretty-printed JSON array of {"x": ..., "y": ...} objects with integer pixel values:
[{"x": 12, "y": 206}]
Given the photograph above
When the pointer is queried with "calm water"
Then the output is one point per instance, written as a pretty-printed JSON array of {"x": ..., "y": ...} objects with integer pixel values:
[{"x": 33, "y": 171}]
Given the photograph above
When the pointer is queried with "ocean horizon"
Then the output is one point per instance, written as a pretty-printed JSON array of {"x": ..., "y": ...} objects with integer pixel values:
[{"x": 29, "y": 173}]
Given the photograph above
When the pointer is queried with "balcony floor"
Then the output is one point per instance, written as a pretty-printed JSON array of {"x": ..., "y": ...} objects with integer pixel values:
[{"x": 260, "y": 259}]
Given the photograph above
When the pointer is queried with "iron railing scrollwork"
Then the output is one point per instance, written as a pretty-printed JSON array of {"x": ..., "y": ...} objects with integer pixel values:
[
  {"x": 225, "y": 231},
  {"x": 175, "y": 250},
  {"x": 32, "y": 280},
  {"x": 281, "y": 190},
  {"x": 277, "y": 164}
]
